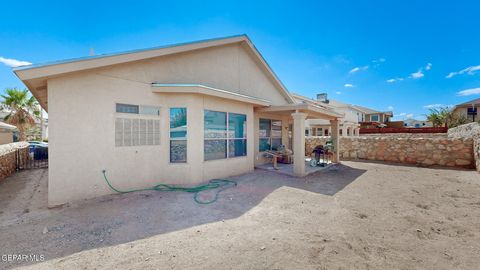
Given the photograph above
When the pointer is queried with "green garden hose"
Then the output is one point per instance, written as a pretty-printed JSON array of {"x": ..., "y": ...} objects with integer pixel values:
[{"x": 220, "y": 184}]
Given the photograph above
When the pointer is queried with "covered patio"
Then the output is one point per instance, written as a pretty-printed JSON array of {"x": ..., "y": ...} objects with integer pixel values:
[{"x": 296, "y": 114}]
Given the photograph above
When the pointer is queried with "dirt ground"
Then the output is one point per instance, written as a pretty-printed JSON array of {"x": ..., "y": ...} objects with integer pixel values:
[{"x": 353, "y": 216}]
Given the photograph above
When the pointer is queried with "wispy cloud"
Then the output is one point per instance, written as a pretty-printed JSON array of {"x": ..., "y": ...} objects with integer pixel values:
[
  {"x": 410, "y": 115},
  {"x": 433, "y": 106},
  {"x": 394, "y": 80},
  {"x": 338, "y": 93},
  {"x": 390, "y": 108},
  {"x": 357, "y": 69},
  {"x": 469, "y": 70},
  {"x": 379, "y": 60},
  {"x": 348, "y": 85},
  {"x": 402, "y": 114},
  {"x": 469, "y": 92},
  {"x": 419, "y": 74},
  {"x": 13, "y": 62}
]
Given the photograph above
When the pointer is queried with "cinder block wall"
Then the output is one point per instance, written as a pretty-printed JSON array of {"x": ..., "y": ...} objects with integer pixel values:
[
  {"x": 8, "y": 159},
  {"x": 426, "y": 151}
]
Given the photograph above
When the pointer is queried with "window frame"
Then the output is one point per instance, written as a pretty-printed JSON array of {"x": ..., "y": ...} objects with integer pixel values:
[
  {"x": 378, "y": 118},
  {"x": 226, "y": 138},
  {"x": 170, "y": 138},
  {"x": 271, "y": 134},
  {"x": 140, "y": 109}
]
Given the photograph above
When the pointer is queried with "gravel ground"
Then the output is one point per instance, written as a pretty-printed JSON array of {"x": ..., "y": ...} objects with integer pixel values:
[{"x": 353, "y": 216}]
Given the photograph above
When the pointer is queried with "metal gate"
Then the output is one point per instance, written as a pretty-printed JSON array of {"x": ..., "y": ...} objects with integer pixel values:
[{"x": 32, "y": 158}]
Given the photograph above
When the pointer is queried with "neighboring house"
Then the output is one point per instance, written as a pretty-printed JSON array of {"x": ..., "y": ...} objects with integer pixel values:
[
  {"x": 468, "y": 109},
  {"x": 349, "y": 123},
  {"x": 373, "y": 118},
  {"x": 179, "y": 114},
  {"x": 40, "y": 130},
  {"x": 8, "y": 133},
  {"x": 413, "y": 123}
]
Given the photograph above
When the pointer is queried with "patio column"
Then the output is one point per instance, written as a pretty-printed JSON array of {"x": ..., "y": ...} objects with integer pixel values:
[
  {"x": 299, "y": 142},
  {"x": 357, "y": 131},
  {"x": 335, "y": 139}
]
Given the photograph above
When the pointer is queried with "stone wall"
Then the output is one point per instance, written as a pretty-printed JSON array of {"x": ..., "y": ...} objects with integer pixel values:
[
  {"x": 426, "y": 151},
  {"x": 8, "y": 158}
]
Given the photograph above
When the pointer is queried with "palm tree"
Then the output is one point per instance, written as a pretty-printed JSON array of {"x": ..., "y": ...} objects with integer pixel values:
[
  {"x": 445, "y": 116},
  {"x": 22, "y": 108}
]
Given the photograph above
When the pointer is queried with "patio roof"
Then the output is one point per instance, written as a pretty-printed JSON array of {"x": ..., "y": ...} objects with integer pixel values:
[{"x": 313, "y": 112}]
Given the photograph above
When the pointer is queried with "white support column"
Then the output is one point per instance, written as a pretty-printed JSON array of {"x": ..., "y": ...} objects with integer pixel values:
[
  {"x": 335, "y": 135},
  {"x": 357, "y": 131},
  {"x": 299, "y": 142}
]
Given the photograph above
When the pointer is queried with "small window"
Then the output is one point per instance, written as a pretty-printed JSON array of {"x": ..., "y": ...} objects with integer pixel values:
[
  {"x": 374, "y": 118},
  {"x": 137, "y": 109},
  {"x": 178, "y": 135},
  {"x": 127, "y": 108}
]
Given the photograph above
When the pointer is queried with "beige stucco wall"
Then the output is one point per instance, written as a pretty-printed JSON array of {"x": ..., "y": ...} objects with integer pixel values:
[
  {"x": 6, "y": 136},
  {"x": 82, "y": 115}
]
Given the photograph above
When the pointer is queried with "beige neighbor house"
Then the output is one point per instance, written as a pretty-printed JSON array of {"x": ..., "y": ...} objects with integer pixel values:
[
  {"x": 349, "y": 123},
  {"x": 179, "y": 114},
  {"x": 468, "y": 110},
  {"x": 373, "y": 118},
  {"x": 7, "y": 133}
]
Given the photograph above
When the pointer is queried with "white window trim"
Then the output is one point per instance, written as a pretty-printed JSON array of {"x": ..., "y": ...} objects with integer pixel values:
[
  {"x": 271, "y": 137},
  {"x": 371, "y": 116},
  {"x": 176, "y": 139},
  {"x": 226, "y": 136}
]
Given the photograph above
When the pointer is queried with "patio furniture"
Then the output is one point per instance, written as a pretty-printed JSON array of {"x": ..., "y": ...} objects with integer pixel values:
[{"x": 274, "y": 156}]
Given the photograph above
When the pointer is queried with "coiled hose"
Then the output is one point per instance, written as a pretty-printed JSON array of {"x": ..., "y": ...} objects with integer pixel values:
[{"x": 220, "y": 184}]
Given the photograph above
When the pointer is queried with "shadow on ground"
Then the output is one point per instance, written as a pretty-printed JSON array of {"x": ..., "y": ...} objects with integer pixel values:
[{"x": 121, "y": 218}]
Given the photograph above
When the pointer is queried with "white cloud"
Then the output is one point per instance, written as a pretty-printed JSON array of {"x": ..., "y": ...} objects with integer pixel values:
[
  {"x": 468, "y": 92},
  {"x": 13, "y": 62},
  {"x": 410, "y": 115},
  {"x": 394, "y": 80},
  {"x": 402, "y": 114},
  {"x": 469, "y": 70},
  {"x": 417, "y": 75},
  {"x": 349, "y": 85},
  {"x": 379, "y": 60},
  {"x": 356, "y": 69},
  {"x": 432, "y": 106},
  {"x": 390, "y": 108},
  {"x": 338, "y": 93}
]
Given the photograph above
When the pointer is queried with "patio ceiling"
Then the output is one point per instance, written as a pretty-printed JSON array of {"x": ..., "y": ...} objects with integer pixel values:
[{"x": 312, "y": 111}]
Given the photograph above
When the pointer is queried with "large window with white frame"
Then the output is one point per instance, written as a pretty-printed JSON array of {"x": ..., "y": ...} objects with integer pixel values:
[
  {"x": 374, "y": 118},
  {"x": 178, "y": 135},
  {"x": 270, "y": 134},
  {"x": 224, "y": 135}
]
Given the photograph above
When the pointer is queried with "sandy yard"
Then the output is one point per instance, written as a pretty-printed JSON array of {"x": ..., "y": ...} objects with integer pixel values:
[{"x": 354, "y": 216}]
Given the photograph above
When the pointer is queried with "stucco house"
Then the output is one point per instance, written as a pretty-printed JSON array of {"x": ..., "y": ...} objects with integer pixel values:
[
  {"x": 373, "y": 118},
  {"x": 414, "y": 123},
  {"x": 179, "y": 114},
  {"x": 349, "y": 123},
  {"x": 7, "y": 133},
  {"x": 468, "y": 110}
]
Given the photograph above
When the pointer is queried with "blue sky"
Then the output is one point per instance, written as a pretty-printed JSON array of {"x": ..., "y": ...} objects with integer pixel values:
[{"x": 393, "y": 54}]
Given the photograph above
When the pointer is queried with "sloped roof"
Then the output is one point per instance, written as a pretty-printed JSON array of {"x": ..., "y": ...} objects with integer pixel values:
[
  {"x": 7, "y": 126},
  {"x": 365, "y": 109},
  {"x": 34, "y": 76},
  {"x": 469, "y": 103}
]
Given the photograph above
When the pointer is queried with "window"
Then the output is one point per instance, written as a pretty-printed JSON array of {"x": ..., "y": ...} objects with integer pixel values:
[
  {"x": 178, "y": 135},
  {"x": 270, "y": 134},
  {"x": 136, "y": 132},
  {"x": 137, "y": 109},
  {"x": 224, "y": 134},
  {"x": 307, "y": 132},
  {"x": 374, "y": 118},
  {"x": 319, "y": 131}
]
